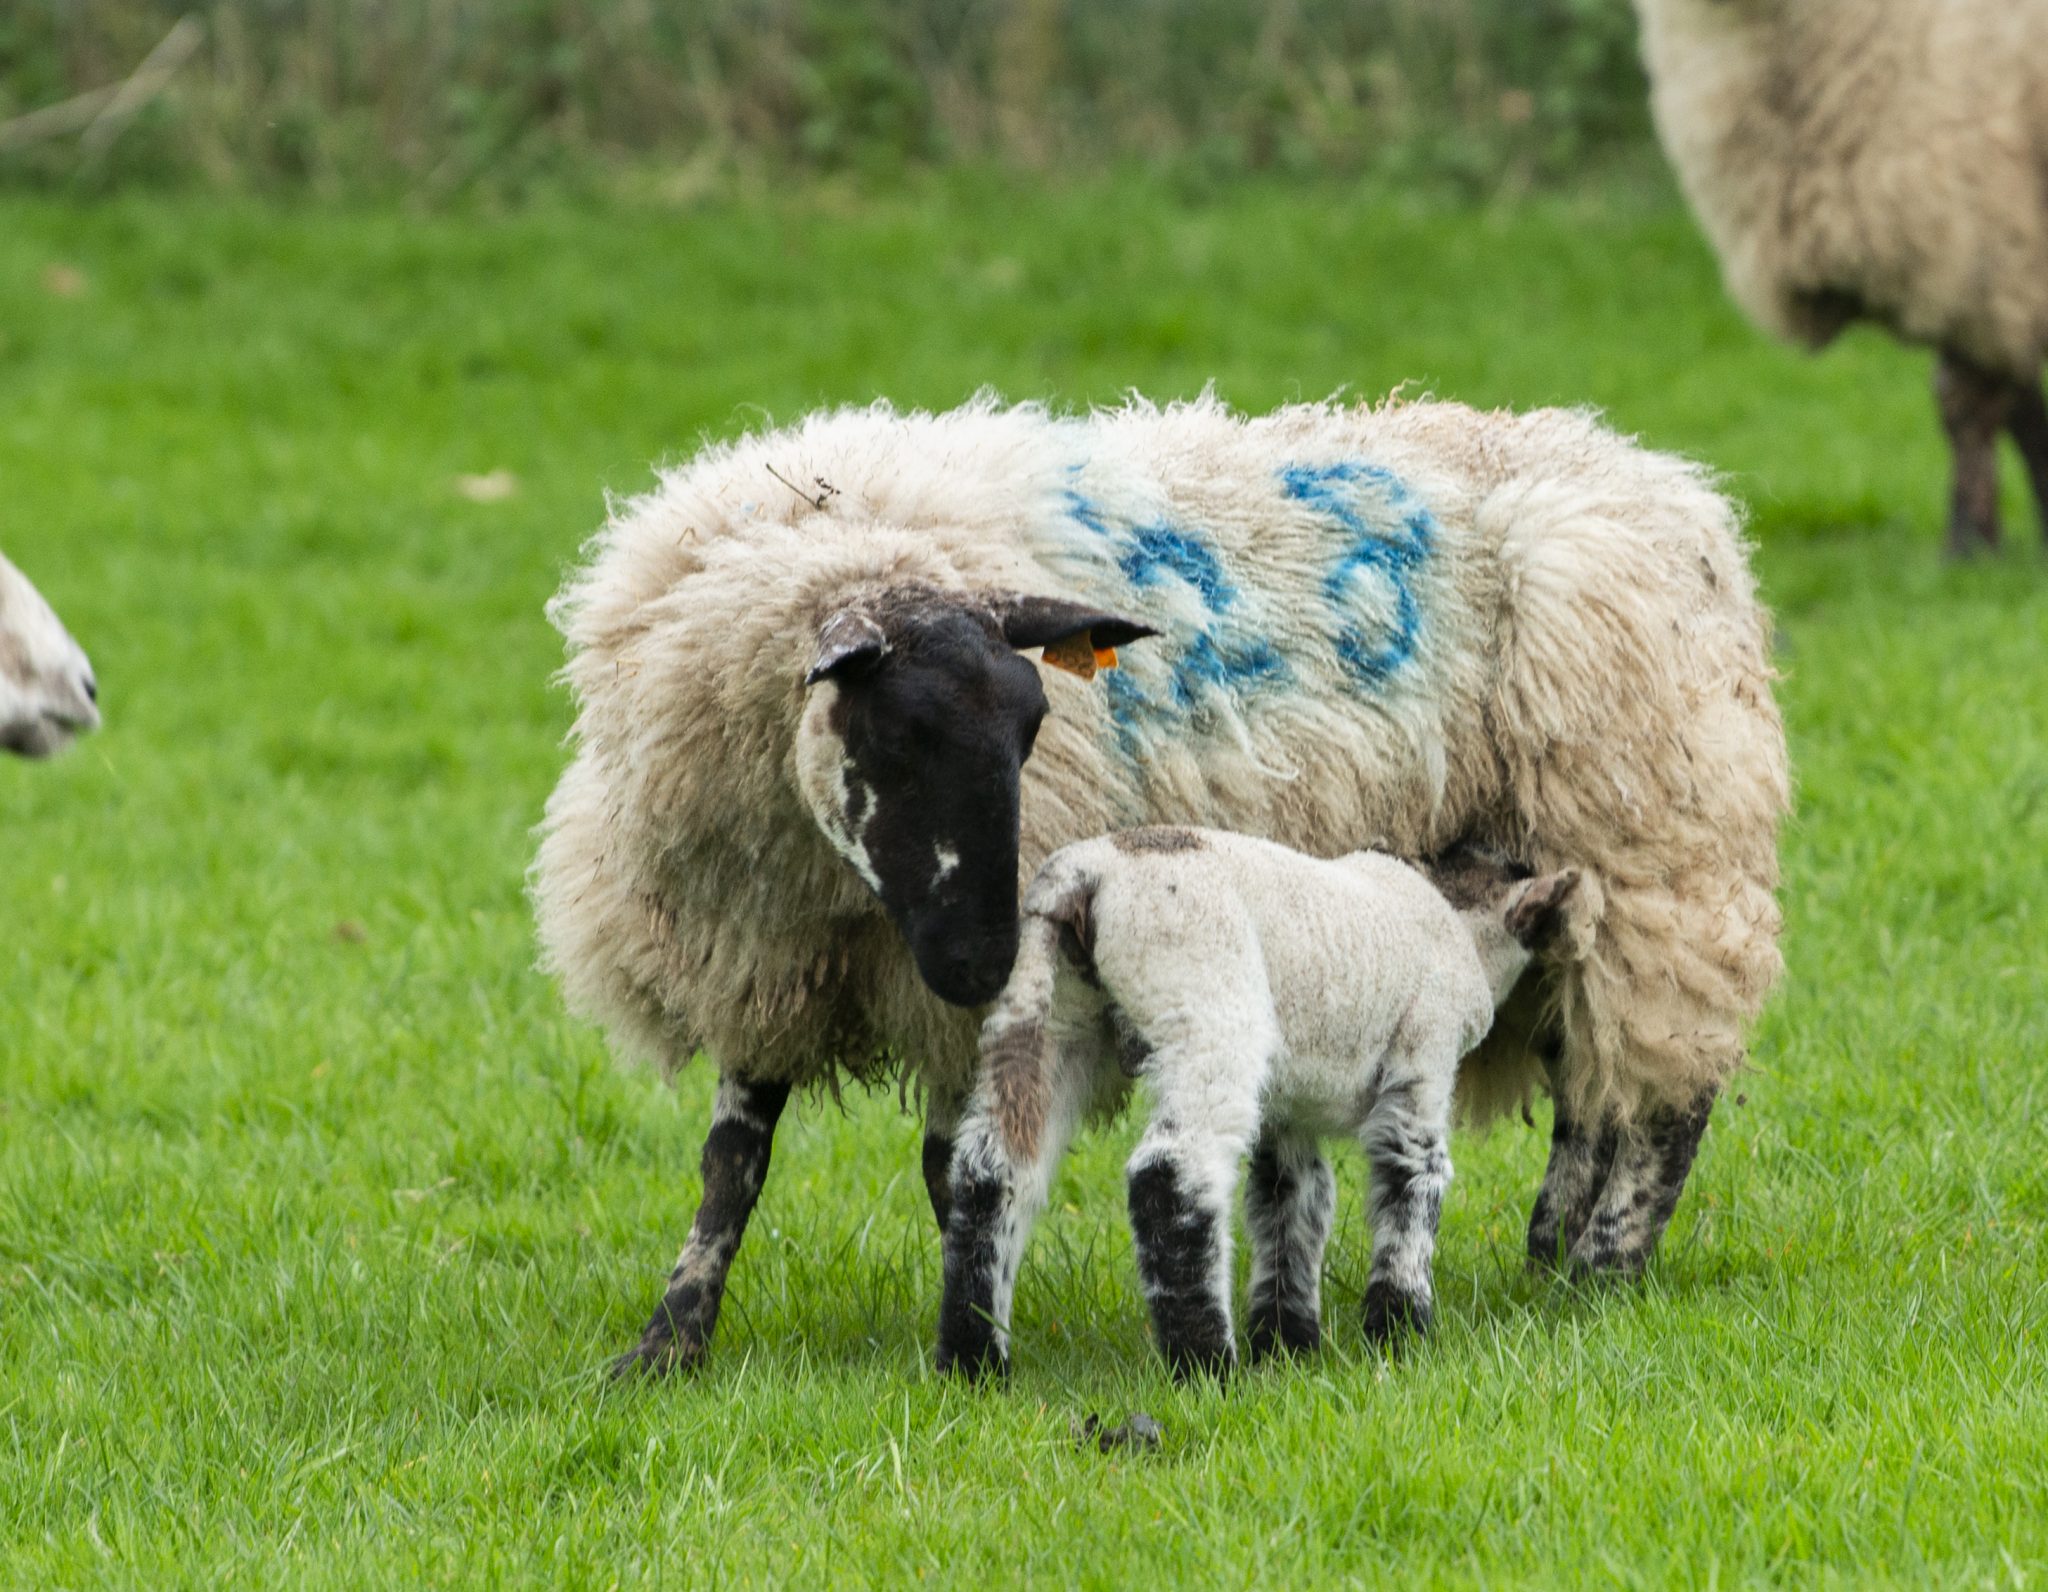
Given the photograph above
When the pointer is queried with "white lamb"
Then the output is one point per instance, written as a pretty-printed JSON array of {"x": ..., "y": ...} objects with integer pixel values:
[
  {"x": 47, "y": 690},
  {"x": 1269, "y": 1000}
]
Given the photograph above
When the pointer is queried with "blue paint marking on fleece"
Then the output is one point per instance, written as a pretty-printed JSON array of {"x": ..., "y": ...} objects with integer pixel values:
[
  {"x": 1084, "y": 512},
  {"x": 1235, "y": 667},
  {"x": 1157, "y": 551},
  {"x": 1390, "y": 547},
  {"x": 1127, "y": 705},
  {"x": 1211, "y": 658}
]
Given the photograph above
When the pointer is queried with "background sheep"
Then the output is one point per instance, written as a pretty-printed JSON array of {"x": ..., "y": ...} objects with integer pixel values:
[
  {"x": 1399, "y": 625},
  {"x": 1266, "y": 998},
  {"x": 1883, "y": 160},
  {"x": 47, "y": 690}
]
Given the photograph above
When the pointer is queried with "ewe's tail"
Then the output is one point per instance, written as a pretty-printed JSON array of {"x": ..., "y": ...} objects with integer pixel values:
[{"x": 1016, "y": 1043}]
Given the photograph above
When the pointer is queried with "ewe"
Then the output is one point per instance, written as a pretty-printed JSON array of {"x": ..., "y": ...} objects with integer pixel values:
[
  {"x": 1883, "y": 160},
  {"x": 812, "y": 769},
  {"x": 47, "y": 690},
  {"x": 1266, "y": 999}
]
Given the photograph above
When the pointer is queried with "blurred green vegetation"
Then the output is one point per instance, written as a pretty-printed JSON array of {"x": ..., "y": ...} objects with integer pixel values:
[{"x": 442, "y": 97}]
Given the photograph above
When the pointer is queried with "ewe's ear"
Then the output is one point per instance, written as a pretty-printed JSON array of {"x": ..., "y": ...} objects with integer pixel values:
[
  {"x": 1047, "y": 621},
  {"x": 1075, "y": 637},
  {"x": 849, "y": 643},
  {"x": 1536, "y": 908}
]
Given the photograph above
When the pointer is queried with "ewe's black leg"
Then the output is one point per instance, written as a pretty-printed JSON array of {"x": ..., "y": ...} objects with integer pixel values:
[
  {"x": 1651, "y": 1162},
  {"x": 1579, "y": 1158},
  {"x": 1289, "y": 1198},
  {"x": 983, "y": 1240},
  {"x": 1974, "y": 404},
  {"x": 1183, "y": 1241},
  {"x": 941, "y": 1123},
  {"x": 735, "y": 1165},
  {"x": 2028, "y": 423}
]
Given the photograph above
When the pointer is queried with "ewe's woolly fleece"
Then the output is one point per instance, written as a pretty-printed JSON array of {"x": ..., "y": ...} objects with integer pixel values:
[
  {"x": 1389, "y": 625},
  {"x": 1893, "y": 151}
]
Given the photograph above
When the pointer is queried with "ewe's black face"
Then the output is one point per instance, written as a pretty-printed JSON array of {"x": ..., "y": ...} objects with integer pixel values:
[{"x": 921, "y": 717}]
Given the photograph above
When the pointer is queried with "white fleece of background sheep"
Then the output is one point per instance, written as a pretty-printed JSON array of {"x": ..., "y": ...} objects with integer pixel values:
[
  {"x": 1901, "y": 163},
  {"x": 43, "y": 672}
]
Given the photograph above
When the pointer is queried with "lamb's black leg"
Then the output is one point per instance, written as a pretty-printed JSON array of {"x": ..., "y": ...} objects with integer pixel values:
[
  {"x": 1579, "y": 1158},
  {"x": 1182, "y": 1232},
  {"x": 1289, "y": 1198},
  {"x": 735, "y": 1166},
  {"x": 1651, "y": 1162},
  {"x": 1974, "y": 404},
  {"x": 2028, "y": 423},
  {"x": 1407, "y": 1141}
]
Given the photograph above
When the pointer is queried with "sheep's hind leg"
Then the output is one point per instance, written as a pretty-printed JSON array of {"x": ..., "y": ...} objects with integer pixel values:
[
  {"x": 1182, "y": 1183},
  {"x": 1975, "y": 404},
  {"x": 1579, "y": 1161},
  {"x": 735, "y": 1165},
  {"x": 2028, "y": 423},
  {"x": 1407, "y": 1141},
  {"x": 1651, "y": 1163},
  {"x": 1180, "y": 1220},
  {"x": 997, "y": 1193},
  {"x": 1289, "y": 1199}
]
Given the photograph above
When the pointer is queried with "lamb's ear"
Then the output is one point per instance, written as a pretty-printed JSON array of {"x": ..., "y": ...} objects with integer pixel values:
[
  {"x": 1536, "y": 906},
  {"x": 1075, "y": 637},
  {"x": 848, "y": 643}
]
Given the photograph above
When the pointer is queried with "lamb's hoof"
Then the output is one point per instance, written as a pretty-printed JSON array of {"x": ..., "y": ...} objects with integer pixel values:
[
  {"x": 1291, "y": 1335},
  {"x": 655, "y": 1356},
  {"x": 1190, "y": 1362},
  {"x": 1392, "y": 1315},
  {"x": 974, "y": 1366}
]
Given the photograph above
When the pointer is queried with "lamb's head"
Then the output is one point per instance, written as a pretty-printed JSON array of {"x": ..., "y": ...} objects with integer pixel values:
[
  {"x": 47, "y": 690},
  {"x": 920, "y": 717},
  {"x": 1512, "y": 912}
]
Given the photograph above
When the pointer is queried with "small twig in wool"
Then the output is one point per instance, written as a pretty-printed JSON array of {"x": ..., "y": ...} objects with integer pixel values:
[{"x": 825, "y": 493}]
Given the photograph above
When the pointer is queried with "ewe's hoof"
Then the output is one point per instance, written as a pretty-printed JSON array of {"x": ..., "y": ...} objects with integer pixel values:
[
  {"x": 657, "y": 1357},
  {"x": 1593, "y": 1271},
  {"x": 1547, "y": 1249}
]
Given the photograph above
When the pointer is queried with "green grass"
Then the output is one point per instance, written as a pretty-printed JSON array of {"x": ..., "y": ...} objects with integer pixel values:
[{"x": 313, "y": 1244}]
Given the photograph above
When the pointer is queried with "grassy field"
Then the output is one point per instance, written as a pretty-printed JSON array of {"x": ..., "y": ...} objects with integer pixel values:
[{"x": 319, "y": 1220}]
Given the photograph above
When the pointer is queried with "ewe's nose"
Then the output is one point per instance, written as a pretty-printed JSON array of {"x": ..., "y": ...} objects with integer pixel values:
[{"x": 971, "y": 971}]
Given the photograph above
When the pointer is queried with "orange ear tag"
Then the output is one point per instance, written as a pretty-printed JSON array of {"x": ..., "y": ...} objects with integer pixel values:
[
  {"x": 1074, "y": 654},
  {"x": 1105, "y": 657}
]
